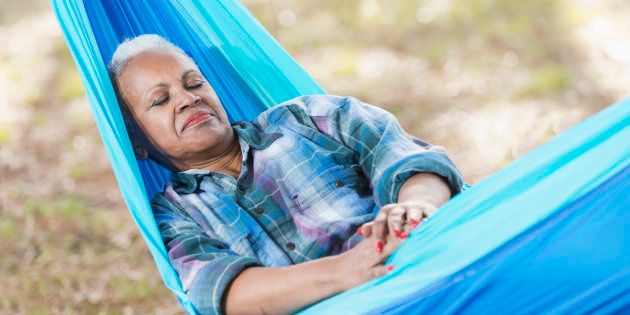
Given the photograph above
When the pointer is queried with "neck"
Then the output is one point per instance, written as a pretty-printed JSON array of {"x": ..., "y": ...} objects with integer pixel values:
[{"x": 227, "y": 163}]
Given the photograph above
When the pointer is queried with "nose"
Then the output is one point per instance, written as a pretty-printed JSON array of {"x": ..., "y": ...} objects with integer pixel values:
[{"x": 186, "y": 100}]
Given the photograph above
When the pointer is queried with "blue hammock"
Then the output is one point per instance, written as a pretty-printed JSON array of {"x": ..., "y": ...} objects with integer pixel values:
[{"x": 548, "y": 233}]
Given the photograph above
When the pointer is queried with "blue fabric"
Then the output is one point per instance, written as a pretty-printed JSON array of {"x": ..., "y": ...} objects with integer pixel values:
[
  {"x": 266, "y": 75},
  {"x": 469, "y": 231},
  {"x": 299, "y": 196},
  {"x": 574, "y": 261},
  {"x": 460, "y": 252},
  {"x": 221, "y": 36}
]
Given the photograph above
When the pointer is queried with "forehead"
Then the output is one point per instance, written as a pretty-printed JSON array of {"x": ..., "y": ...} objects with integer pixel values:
[
  {"x": 157, "y": 65},
  {"x": 151, "y": 68}
]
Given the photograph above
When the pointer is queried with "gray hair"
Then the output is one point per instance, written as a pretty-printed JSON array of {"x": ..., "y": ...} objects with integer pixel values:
[{"x": 135, "y": 46}]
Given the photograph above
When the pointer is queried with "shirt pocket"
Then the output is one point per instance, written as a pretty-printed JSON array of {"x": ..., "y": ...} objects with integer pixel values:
[{"x": 333, "y": 194}]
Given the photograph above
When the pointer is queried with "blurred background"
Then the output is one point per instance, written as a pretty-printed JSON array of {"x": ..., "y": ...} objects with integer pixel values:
[{"x": 488, "y": 79}]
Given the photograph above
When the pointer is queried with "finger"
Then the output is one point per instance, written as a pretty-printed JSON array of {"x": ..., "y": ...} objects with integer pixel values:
[
  {"x": 379, "y": 229},
  {"x": 406, "y": 230},
  {"x": 417, "y": 215},
  {"x": 414, "y": 215},
  {"x": 379, "y": 271},
  {"x": 392, "y": 244},
  {"x": 365, "y": 230},
  {"x": 395, "y": 220}
]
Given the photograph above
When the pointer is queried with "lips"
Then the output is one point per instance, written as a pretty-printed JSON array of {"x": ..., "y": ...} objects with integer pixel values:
[{"x": 196, "y": 118}]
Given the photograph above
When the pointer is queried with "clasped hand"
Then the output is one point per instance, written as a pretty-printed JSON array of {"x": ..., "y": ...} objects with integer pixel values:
[
  {"x": 395, "y": 221},
  {"x": 390, "y": 228}
]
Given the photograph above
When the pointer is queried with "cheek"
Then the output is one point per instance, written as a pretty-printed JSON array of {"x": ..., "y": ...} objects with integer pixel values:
[
  {"x": 159, "y": 130},
  {"x": 211, "y": 98}
]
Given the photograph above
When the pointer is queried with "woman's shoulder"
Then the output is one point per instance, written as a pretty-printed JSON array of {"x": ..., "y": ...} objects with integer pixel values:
[
  {"x": 300, "y": 108},
  {"x": 165, "y": 201}
]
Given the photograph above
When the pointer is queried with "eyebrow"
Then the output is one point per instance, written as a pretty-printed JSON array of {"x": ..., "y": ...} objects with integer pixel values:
[
  {"x": 188, "y": 72},
  {"x": 160, "y": 84}
]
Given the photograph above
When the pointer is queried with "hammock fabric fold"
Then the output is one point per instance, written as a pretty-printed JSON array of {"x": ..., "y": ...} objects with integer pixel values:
[{"x": 547, "y": 233}]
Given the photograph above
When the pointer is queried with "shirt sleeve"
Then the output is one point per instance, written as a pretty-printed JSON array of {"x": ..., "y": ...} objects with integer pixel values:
[
  {"x": 387, "y": 154},
  {"x": 205, "y": 266}
]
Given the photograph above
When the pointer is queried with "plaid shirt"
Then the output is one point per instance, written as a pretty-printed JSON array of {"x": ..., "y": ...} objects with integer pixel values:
[{"x": 314, "y": 169}]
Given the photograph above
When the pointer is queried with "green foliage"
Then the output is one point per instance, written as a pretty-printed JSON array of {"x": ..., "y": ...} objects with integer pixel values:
[
  {"x": 439, "y": 66},
  {"x": 67, "y": 207},
  {"x": 71, "y": 207},
  {"x": 38, "y": 206},
  {"x": 547, "y": 80},
  {"x": 5, "y": 134},
  {"x": 8, "y": 229},
  {"x": 70, "y": 84},
  {"x": 345, "y": 62},
  {"x": 79, "y": 171},
  {"x": 40, "y": 119},
  {"x": 68, "y": 78},
  {"x": 131, "y": 289}
]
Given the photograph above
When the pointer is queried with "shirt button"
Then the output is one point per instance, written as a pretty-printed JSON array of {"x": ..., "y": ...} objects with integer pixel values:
[
  {"x": 259, "y": 210},
  {"x": 290, "y": 246},
  {"x": 339, "y": 183}
]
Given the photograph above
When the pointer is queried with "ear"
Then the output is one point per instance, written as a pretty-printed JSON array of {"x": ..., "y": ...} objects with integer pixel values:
[{"x": 140, "y": 152}]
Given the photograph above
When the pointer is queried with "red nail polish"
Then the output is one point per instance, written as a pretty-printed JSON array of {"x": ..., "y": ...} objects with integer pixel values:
[
  {"x": 396, "y": 232},
  {"x": 379, "y": 246},
  {"x": 413, "y": 222},
  {"x": 359, "y": 231},
  {"x": 404, "y": 235},
  {"x": 390, "y": 267}
]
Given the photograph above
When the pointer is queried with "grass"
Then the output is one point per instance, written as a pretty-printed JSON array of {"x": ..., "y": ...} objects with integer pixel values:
[{"x": 69, "y": 243}]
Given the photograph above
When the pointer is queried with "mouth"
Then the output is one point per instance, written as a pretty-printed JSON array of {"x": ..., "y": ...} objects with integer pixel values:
[{"x": 196, "y": 118}]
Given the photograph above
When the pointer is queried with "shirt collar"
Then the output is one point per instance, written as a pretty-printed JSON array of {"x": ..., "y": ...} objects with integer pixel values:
[{"x": 248, "y": 135}]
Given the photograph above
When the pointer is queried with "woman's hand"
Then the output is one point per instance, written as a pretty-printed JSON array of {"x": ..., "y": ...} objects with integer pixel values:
[
  {"x": 395, "y": 221},
  {"x": 388, "y": 230},
  {"x": 362, "y": 263}
]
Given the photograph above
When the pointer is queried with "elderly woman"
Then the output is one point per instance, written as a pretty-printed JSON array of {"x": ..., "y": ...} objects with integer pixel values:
[{"x": 269, "y": 216}]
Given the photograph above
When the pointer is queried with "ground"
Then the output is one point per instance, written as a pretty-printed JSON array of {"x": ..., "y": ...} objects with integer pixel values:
[{"x": 488, "y": 79}]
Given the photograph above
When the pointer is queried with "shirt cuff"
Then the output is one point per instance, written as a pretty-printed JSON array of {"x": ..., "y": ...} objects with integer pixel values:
[
  {"x": 427, "y": 162},
  {"x": 210, "y": 284}
]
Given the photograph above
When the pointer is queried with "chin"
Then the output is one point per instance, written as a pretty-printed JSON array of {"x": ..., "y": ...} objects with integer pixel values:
[{"x": 201, "y": 144}]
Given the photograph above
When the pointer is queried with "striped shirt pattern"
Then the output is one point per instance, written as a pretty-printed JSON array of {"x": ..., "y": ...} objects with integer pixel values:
[{"x": 314, "y": 169}]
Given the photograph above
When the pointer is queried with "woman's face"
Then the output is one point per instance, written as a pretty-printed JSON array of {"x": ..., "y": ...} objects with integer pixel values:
[{"x": 178, "y": 113}]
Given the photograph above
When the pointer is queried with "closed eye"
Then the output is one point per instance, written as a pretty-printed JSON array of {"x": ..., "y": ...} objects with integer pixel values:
[
  {"x": 195, "y": 84},
  {"x": 160, "y": 100}
]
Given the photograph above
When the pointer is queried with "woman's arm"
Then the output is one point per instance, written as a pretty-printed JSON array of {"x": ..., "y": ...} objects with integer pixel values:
[
  {"x": 218, "y": 280},
  {"x": 283, "y": 290},
  {"x": 387, "y": 154},
  {"x": 425, "y": 188},
  {"x": 419, "y": 197}
]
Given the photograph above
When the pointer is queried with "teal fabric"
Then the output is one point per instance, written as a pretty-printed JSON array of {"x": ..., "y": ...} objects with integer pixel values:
[
  {"x": 501, "y": 208},
  {"x": 252, "y": 72},
  {"x": 249, "y": 71},
  {"x": 320, "y": 191},
  {"x": 222, "y": 36}
]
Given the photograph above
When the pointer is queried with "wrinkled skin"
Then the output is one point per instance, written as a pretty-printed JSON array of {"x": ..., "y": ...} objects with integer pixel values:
[{"x": 163, "y": 89}]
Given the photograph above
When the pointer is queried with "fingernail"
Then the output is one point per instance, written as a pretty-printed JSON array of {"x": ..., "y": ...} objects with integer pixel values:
[
  {"x": 379, "y": 246},
  {"x": 396, "y": 232},
  {"x": 390, "y": 267},
  {"x": 404, "y": 235},
  {"x": 413, "y": 222},
  {"x": 359, "y": 231}
]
